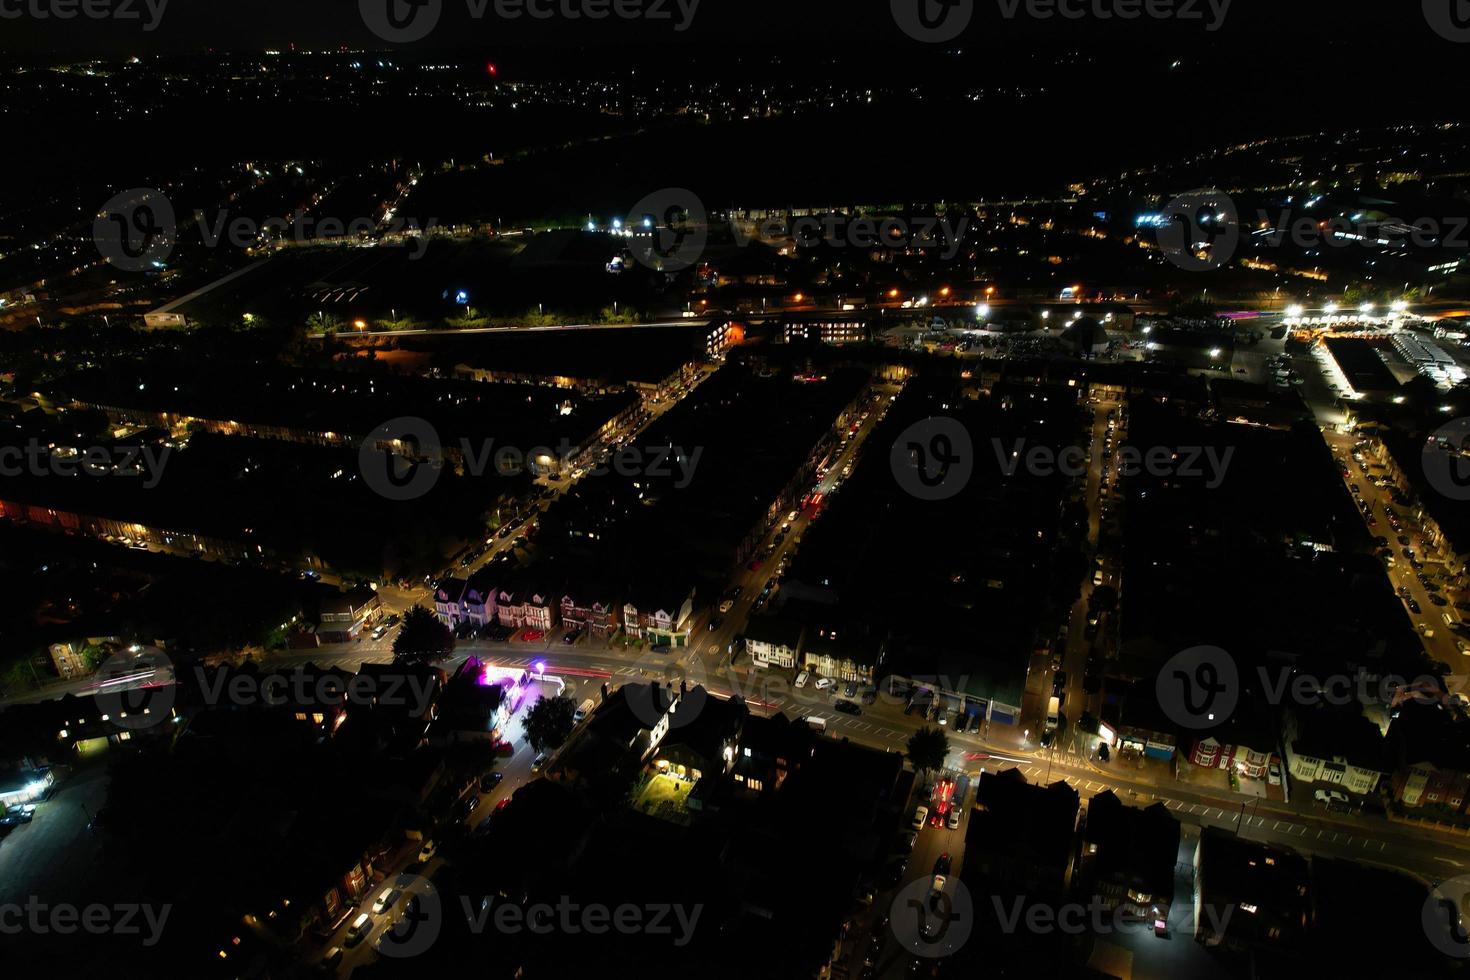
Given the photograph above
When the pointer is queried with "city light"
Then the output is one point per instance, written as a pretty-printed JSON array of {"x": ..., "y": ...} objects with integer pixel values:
[{"x": 1294, "y": 310}]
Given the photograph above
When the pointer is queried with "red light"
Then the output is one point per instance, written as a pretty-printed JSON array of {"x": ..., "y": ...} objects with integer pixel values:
[{"x": 490, "y": 68}]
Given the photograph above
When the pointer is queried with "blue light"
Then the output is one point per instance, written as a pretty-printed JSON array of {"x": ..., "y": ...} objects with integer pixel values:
[{"x": 461, "y": 297}]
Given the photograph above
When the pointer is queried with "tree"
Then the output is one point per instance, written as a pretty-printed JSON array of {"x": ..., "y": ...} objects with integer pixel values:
[
  {"x": 323, "y": 322},
  {"x": 549, "y": 722},
  {"x": 422, "y": 637},
  {"x": 928, "y": 748}
]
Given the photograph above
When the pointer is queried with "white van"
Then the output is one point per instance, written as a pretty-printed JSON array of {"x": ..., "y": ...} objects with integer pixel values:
[
  {"x": 361, "y": 926},
  {"x": 817, "y": 723},
  {"x": 583, "y": 710}
]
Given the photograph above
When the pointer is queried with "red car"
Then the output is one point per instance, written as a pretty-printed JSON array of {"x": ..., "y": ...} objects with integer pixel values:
[{"x": 533, "y": 636}]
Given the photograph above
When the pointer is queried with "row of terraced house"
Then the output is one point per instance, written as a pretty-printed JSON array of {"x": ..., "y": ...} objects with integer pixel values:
[{"x": 658, "y": 614}]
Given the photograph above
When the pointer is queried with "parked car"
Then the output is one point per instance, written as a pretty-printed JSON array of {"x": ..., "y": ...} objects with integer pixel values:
[
  {"x": 953, "y": 822},
  {"x": 802, "y": 678},
  {"x": 327, "y": 965},
  {"x": 823, "y": 683},
  {"x": 386, "y": 900},
  {"x": 570, "y": 636},
  {"x": 361, "y": 926},
  {"x": 847, "y": 707},
  {"x": 1330, "y": 797},
  {"x": 490, "y": 780},
  {"x": 1273, "y": 774},
  {"x": 921, "y": 817}
]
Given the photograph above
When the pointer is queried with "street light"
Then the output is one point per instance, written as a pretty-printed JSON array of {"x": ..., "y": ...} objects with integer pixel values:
[{"x": 1294, "y": 310}]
